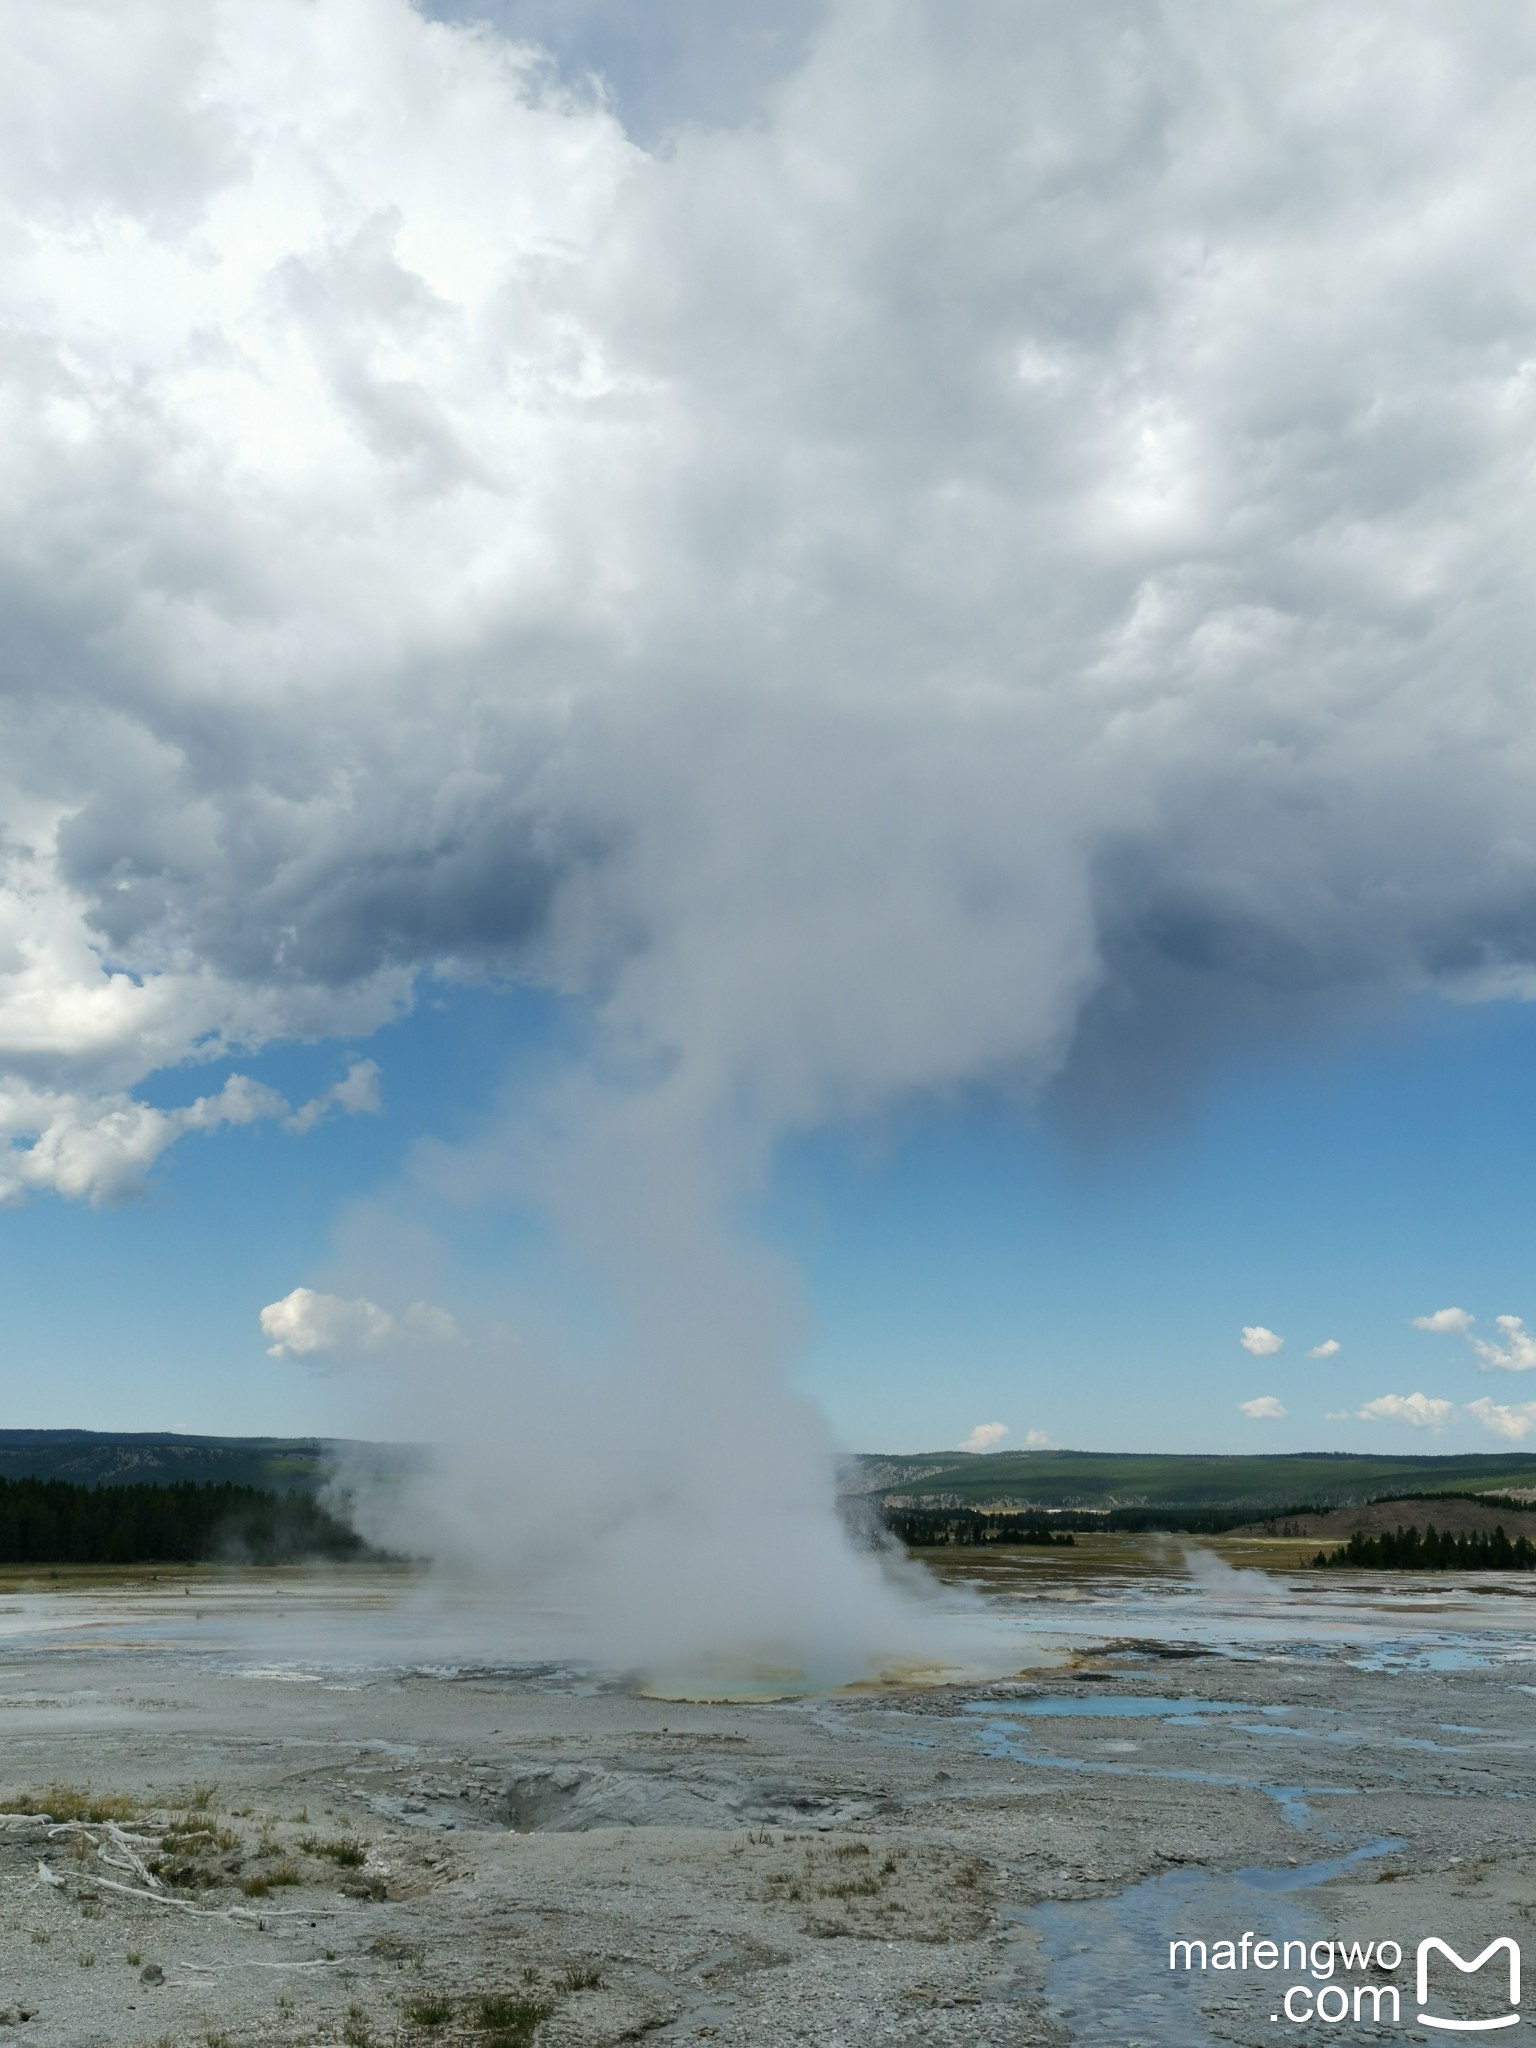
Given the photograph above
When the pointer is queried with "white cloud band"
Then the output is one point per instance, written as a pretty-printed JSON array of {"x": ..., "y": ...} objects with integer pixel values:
[
  {"x": 101, "y": 1148},
  {"x": 1423, "y": 1411}
]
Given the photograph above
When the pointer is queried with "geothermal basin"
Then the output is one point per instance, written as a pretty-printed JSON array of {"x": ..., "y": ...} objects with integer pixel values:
[{"x": 350, "y": 1806}]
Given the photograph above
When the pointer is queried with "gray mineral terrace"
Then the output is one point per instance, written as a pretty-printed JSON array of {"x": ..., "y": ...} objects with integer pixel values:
[{"x": 252, "y": 1807}]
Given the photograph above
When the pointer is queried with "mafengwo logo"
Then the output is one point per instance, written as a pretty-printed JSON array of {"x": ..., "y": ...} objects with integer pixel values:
[
  {"x": 1435, "y": 1946},
  {"x": 1322, "y": 1965}
]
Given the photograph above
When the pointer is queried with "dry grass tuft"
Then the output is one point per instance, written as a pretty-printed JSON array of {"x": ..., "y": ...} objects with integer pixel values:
[
  {"x": 507, "y": 2019},
  {"x": 431, "y": 2012},
  {"x": 350, "y": 1855},
  {"x": 62, "y": 1802}
]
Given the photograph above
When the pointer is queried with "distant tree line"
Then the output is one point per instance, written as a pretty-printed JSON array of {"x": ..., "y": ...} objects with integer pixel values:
[
  {"x": 1138, "y": 1520},
  {"x": 1175, "y": 1521},
  {"x": 922, "y": 1527},
  {"x": 934, "y": 1524},
  {"x": 1405, "y": 1550},
  {"x": 50, "y": 1521}
]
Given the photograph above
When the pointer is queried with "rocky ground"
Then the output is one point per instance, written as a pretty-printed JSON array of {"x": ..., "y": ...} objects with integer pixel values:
[{"x": 198, "y": 1852}]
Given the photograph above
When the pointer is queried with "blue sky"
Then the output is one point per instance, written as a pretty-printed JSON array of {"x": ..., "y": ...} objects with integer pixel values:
[
  {"x": 1330, "y": 1193},
  {"x": 832, "y": 697},
  {"x": 960, "y": 1263}
]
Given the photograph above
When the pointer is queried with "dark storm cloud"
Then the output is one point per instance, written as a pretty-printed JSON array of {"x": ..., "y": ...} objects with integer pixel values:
[{"x": 1009, "y": 533}]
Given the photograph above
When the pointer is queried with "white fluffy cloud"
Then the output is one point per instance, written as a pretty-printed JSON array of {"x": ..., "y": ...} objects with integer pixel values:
[
  {"x": 1513, "y": 1422},
  {"x": 100, "y": 1147},
  {"x": 305, "y": 1324},
  {"x": 986, "y": 1436},
  {"x": 1038, "y": 1440},
  {"x": 1517, "y": 1352},
  {"x": 1329, "y": 1348},
  {"x": 1264, "y": 1408},
  {"x": 357, "y": 1093},
  {"x": 1259, "y": 1342},
  {"x": 974, "y": 572},
  {"x": 1424, "y": 1411},
  {"x": 1455, "y": 1321}
]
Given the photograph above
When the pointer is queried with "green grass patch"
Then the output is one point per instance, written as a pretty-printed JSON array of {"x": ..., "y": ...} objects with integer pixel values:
[{"x": 350, "y": 1855}]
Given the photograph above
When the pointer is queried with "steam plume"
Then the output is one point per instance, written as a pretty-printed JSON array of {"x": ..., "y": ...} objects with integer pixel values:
[{"x": 1007, "y": 569}]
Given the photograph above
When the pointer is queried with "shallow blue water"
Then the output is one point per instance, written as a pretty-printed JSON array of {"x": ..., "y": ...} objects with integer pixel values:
[
  {"x": 999, "y": 1739},
  {"x": 1128, "y": 1706},
  {"x": 1108, "y": 1979}
]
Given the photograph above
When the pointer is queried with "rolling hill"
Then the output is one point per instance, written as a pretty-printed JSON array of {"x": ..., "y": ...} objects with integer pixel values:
[
  {"x": 1019, "y": 1479},
  {"x": 1104, "y": 1479},
  {"x": 88, "y": 1457}
]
